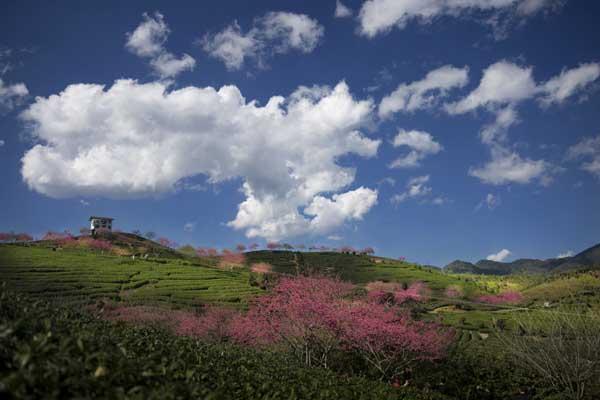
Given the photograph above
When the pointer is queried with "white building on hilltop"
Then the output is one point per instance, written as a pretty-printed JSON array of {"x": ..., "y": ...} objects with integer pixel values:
[{"x": 100, "y": 223}]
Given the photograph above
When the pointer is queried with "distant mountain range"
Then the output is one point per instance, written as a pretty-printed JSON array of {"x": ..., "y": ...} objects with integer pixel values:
[{"x": 589, "y": 258}]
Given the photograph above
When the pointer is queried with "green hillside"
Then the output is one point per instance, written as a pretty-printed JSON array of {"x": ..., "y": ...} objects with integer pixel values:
[
  {"x": 80, "y": 275},
  {"x": 358, "y": 269}
]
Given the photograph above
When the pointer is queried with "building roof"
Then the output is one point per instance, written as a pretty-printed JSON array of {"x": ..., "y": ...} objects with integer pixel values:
[{"x": 93, "y": 217}]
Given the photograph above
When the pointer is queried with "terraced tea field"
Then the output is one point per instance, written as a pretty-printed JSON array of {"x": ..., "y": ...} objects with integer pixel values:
[{"x": 81, "y": 276}]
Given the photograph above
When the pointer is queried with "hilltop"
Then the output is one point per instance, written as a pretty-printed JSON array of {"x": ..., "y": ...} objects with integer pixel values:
[{"x": 587, "y": 259}]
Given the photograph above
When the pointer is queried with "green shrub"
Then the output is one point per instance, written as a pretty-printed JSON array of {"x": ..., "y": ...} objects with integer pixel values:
[{"x": 56, "y": 352}]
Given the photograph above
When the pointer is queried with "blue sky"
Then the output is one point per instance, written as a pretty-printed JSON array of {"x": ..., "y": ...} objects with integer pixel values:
[{"x": 432, "y": 133}]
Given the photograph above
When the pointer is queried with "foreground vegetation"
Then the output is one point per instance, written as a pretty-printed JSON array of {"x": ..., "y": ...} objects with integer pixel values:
[
  {"x": 86, "y": 322},
  {"x": 55, "y": 353}
]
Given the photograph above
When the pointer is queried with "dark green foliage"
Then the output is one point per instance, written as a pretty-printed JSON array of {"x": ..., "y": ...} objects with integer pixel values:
[{"x": 55, "y": 353}]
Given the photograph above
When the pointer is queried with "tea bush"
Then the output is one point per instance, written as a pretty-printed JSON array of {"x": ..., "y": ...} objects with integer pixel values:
[{"x": 57, "y": 352}]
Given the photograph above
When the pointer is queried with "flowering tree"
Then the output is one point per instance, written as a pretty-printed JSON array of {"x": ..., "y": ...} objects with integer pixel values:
[
  {"x": 395, "y": 293},
  {"x": 211, "y": 252},
  {"x": 253, "y": 246},
  {"x": 261, "y": 268},
  {"x": 273, "y": 245},
  {"x": 299, "y": 314},
  {"x": 212, "y": 325},
  {"x": 99, "y": 244},
  {"x": 509, "y": 297},
  {"x": 314, "y": 316},
  {"x": 229, "y": 258},
  {"x": 201, "y": 252},
  {"x": 6, "y": 237},
  {"x": 417, "y": 291},
  {"x": 15, "y": 237},
  {"x": 390, "y": 341},
  {"x": 240, "y": 248},
  {"x": 368, "y": 251},
  {"x": 63, "y": 239},
  {"x": 163, "y": 241},
  {"x": 23, "y": 237},
  {"x": 347, "y": 249},
  {"x": 402, "y": 258}
]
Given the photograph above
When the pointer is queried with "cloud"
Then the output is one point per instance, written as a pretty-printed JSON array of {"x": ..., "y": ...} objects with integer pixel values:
[
  {"x": 587, "y": 148},
  {"x": 84, "y": 203},
  {"x": 531, "y": 7},
  {"x": 134, "y": 140},
  {"x": 503, "y": 86},
  {"x": 189, "y": 226},
  {"x": 491, "y": 201},
  {"x": 273, "y": 33},
  {"x": 331, "y": 213},
  {"x": 502, "y": 83},
  {"x": 334, "y": 237},
  {"x": 231, "y": 46},
  {"x": 424, "y": 93},
  {"x": 148, "y": 41},
  {"x": 499, "y": 256},
  {"x": 569, "y": 82},
  {"x": 439, "y": 201},
  {"x": 380, "y": 16},
  {"x": 507, "y": 166},
  {"x": 415, "y": 188},
  {"x": 12, "y": 95},
  {"x": 2, "y": 143},
  {"x": 341, "y": 11},
  {"x": 387, "y": 180},
  {"x": 421, "y": 144},
  {"x": 568, "y": 253}
]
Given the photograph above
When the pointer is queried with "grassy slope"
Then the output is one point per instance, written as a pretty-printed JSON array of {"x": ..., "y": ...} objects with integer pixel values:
[
  {"x": 74, "y": 275},
  {"x": 358, "y": 269},
  {"x": 82, "y": 275}
]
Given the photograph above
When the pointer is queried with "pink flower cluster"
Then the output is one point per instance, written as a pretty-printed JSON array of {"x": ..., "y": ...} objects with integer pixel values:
[
  {"x": 261, "y": 268},
  {"x": 212, "y": 324},
  {"x": 386, "y": 292},
  {"x": 15, "y": 237},
  {"x": 510, "y": 297},
  {"x": 314, "y": 315},
  {"x": 311, "y": 317}
]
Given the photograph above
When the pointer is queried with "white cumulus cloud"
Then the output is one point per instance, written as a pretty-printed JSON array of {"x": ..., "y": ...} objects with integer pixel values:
[
  {"x": 502, "y": 83},
  {"x": 421, "y": 144},
  {"x": 507, "y": 166},
  {"x": 133, "y": 140},
  {"x": 587, "y": 148},
  {"x": 12, "y": 95},
  {"x": 499, "y": 256},
  {"x": 273, "y": 33},
  {"x": 424, "y": 93},
  {"x": 342, "y": 11},
  {"x": 148, "y": 41},
  {"x": 416, "y": 187},
  {"x": 380, "y": 16},
  {"x": 569, "y": 82},
  {"x": 503, "y": 86}
]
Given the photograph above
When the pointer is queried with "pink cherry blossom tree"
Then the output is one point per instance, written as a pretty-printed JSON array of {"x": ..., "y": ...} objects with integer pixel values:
[{"x": 315, "y": 316}]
